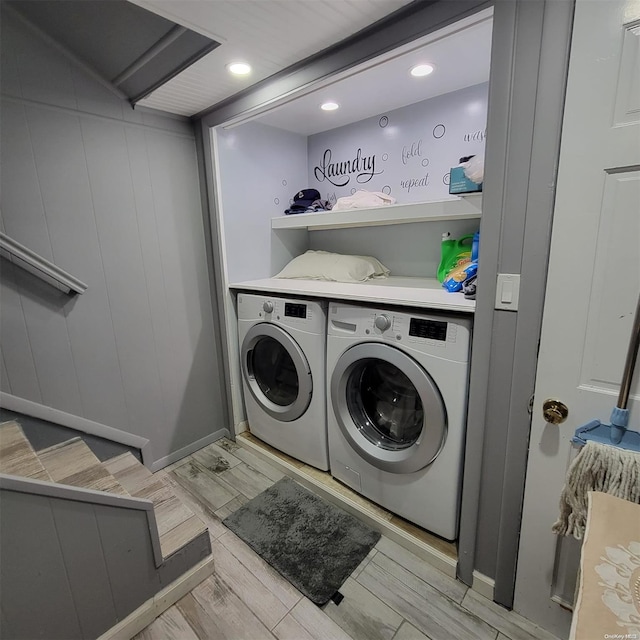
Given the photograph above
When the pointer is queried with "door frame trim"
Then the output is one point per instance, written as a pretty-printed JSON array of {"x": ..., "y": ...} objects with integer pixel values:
[{"x": 530, "y": 59}]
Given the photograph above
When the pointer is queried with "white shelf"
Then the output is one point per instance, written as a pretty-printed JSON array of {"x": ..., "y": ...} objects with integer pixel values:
[
  {"x": 454, "y": 208},
  {"x": 423, "y": 293}
]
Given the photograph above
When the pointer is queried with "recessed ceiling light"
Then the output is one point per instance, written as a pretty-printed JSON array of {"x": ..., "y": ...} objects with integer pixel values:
[
  {"x": 239, "y": 68},
  {"x": 421, "y": 70},
  {"x": 329, "y": 106}
]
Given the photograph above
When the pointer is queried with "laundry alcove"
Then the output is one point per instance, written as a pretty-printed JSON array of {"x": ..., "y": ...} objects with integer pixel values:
[
  {"x": 526, "y": 96},
  {"x": 393, "y": 133}
]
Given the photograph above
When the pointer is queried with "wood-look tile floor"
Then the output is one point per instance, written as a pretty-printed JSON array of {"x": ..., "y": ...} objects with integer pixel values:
[{"x": 392, "y": 595}]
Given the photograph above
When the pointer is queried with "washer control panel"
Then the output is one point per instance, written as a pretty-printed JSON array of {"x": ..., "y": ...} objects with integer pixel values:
[
  {"x": 444, "y": 336},
  {"x": 430, "y": 329}
]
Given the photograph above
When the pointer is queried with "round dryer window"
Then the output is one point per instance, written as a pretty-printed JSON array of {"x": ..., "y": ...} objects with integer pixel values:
[
  {"x": 388, "y": 407},
  {"x": 276, "y": 372}
]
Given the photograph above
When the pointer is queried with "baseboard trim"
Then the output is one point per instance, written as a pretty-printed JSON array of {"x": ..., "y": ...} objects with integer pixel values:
[
  {"x": 241, "y": 427},
  {"x": 147, "y": 612},
  {"x": 189, "y": 449},
  {"x": 43, "y": 412},
  {"x": 483, "y": 585},
  {"x": 565, "y": 604},
  {"x": 433, "y": 556}
]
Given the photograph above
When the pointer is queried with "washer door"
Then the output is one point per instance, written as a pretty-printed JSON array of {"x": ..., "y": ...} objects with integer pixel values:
[
  {"x": 276, "y": 372},
  {"x": 388, "y": 408}
]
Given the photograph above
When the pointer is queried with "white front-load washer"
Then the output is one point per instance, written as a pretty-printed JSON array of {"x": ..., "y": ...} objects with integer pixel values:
[
  {"x": 396, "y": 413},
  {"x": 282, "y": 359}
]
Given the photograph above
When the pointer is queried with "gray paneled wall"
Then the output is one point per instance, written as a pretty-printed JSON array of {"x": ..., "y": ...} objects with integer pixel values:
[
  {"x": 71, "y": 569},
  {"x": 112, "y": 196}
]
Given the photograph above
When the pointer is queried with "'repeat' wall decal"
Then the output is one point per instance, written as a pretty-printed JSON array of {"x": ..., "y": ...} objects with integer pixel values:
[{"x": 407, "y": 152}]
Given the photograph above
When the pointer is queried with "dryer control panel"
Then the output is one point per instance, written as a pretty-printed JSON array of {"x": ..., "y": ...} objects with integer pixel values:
[
  {"x": 295, "y": 310},
  {"x": 306, "y": 315}
]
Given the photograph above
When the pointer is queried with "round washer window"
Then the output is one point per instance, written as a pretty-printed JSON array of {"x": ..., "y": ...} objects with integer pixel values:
[
  {"x": 388, "y": 407},
  {"x": 274, "y": 371},
  {"x": 384, "y": 404}
]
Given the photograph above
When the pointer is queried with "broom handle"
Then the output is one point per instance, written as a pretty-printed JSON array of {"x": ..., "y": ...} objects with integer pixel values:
[{"x": 629, "y": 365}]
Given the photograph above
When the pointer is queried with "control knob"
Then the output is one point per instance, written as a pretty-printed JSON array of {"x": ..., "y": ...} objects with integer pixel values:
[
  {"x": 267, "y": 307},
  {"x": 382, "y": 322}
]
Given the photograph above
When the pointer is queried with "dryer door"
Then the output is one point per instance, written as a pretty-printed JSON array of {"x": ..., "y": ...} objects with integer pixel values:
[
  {"x": 276, "y": 372},
  {"x": 388, "y": 408}
]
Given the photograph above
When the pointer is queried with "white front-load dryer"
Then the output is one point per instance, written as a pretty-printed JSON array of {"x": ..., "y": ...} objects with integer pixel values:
[
  {"x": 396, "y": 409},
  {"x": 282, "y": 359}
]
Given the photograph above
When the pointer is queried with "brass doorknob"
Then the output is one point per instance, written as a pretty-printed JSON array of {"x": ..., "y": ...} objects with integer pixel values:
[{"x": 554, "y": 411}]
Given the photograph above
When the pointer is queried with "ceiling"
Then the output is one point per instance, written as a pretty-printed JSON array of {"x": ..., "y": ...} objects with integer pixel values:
[
  {"x": 270, "y": 35},
  {"x": 172, "y": 55},
  {"x": 460, "y": 56},
  {"x": 130, "y": 49}
]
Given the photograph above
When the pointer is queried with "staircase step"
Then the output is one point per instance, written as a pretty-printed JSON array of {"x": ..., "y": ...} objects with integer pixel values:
[
  {"x": 73, "y": 463},
  {"x": 177, "y": 524},
  {"x": 128, "y": 471},
  {"x": 17, "y": 457}
]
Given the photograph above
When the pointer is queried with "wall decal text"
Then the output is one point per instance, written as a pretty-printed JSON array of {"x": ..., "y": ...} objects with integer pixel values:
[
  {"x": 412, "y": 183},
  {"x": 339, "y": 173},
  {"x": 413, "y": 150}
]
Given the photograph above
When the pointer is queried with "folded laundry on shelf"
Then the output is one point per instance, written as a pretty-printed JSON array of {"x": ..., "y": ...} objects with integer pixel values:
[{"x": 362, "y": 199}]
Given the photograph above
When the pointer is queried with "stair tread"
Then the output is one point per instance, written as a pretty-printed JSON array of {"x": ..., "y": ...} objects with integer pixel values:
[
  {"x": 73, "y": 463},
  {"x": 59, "y": 445},
  {"x": 177, "y": 524},
  {"x": 177, "y": 537},
  {"x": 17, "y": 456},
  {"x": 129, "y": 471}
]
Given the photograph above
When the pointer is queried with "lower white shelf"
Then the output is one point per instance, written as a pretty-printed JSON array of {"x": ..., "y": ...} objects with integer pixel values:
[{"x": 424, "y": 293}]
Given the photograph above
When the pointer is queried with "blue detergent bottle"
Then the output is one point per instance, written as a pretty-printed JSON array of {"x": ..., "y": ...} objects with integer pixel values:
[{"x": 475, "y": 246}]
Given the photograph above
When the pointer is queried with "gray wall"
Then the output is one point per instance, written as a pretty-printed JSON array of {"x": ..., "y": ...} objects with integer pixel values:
[
  {"x": 112, "y": 196},
  {"x": 73, "y": 569},
  {"x": 62, "y": 563}
]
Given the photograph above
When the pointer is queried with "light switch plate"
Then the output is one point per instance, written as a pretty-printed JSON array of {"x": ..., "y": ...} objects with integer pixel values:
[{"x": 508, "y": 291}]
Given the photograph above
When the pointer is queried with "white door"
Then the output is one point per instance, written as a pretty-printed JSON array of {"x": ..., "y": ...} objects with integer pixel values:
[{"x": 593, "y": 282}]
